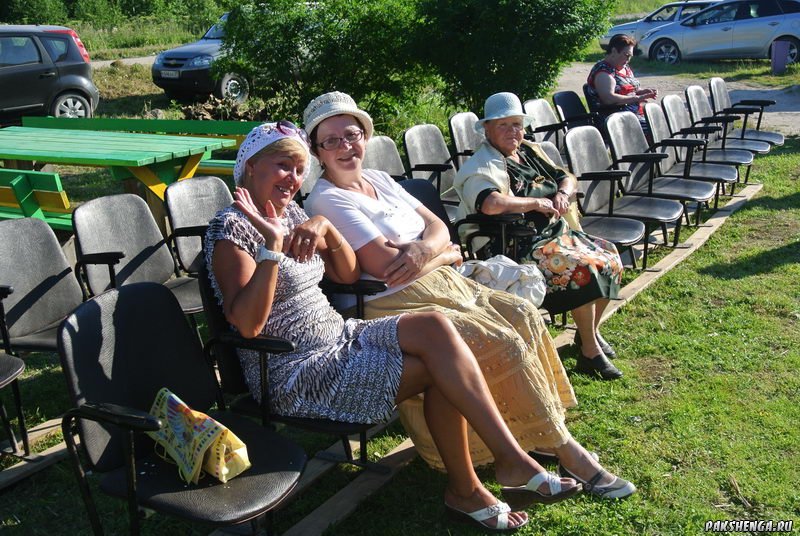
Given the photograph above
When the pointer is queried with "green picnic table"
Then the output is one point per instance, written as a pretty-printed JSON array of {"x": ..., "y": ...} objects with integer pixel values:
[{"x": 156, "y": 160}]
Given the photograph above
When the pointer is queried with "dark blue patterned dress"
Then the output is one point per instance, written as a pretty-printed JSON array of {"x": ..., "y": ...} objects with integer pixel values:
[{"x": 341, "y": 370}]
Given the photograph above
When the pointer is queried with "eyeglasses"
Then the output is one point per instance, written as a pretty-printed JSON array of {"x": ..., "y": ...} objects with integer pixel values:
[
  {"x": 329, "y": 144},
  {"x": 290, "y": 129}
]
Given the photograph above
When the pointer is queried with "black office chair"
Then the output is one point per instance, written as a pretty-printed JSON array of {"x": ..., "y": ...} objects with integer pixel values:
[
  {"x": 117, "y": 351},
  {"x": 721, "y": 104}
]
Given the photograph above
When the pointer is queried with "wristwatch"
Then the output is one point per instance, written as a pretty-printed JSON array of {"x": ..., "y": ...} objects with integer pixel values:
[{"x": 265, "y": 254}]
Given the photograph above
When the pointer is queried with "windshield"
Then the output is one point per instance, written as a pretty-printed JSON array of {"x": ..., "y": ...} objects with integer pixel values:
[{"x": 218, "y": 30}]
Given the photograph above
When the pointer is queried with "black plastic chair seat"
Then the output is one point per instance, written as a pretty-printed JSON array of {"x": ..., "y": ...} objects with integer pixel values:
[
  {"x": 247, "y": 405},
  {"x": 759, "y": 147},
  {"x": 10, "y": 368},
  {"x": 187, "y": 291},
  {"x": 276, "y": 467},
  {"x": 773, "y": 138},
  {"x": 733, "y": 157},
  {"x": 647, "y": 208},
  {"x": 704, "y": 171},
  {"x": 675, "y": 188},
  {"x": 43, "y": 340},
  {"x": 619, "y": 231}
]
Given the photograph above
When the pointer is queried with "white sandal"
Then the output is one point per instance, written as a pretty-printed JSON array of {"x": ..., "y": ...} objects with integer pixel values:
[
  {"x": 519, "y": 497},
  {"x": 500, "y": 510}
]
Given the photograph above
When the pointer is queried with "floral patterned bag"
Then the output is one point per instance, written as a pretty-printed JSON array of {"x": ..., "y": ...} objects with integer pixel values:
[{"x": 196, "y": 441}]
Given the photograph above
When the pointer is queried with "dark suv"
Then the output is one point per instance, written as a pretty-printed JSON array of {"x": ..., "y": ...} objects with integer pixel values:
[
  {"x": 187, "y": 69},
  {"x": 45, "y": 70}
]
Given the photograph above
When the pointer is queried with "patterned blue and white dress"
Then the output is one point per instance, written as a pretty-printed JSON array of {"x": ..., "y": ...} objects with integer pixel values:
[{"x": 341, "y": 370}]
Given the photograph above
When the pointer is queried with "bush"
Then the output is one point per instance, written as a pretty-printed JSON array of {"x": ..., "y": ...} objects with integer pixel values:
[
  {"x": 481, "y": 48},
  {"x": 36, "y": 12},
  {"x": 294, "y": 51},
  {"x": 103, "y": 14}
]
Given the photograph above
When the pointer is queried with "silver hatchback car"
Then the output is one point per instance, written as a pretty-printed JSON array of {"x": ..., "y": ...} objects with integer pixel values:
[
  {"x": 667, "y": 13},
  {"x": 731, "y": 29}
]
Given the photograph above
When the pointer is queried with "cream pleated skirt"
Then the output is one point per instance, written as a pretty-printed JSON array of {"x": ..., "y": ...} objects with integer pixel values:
[{"x": 516, "y": 353}]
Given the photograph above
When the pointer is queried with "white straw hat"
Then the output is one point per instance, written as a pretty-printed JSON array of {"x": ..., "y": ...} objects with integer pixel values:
[
  {"x": 500, "y": 106},
  {"x": 331, "y": 104}
]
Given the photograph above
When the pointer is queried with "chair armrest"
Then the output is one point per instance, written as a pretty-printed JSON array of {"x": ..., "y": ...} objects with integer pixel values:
[
  {"x": 465, "y": 152},
  {"x": 708, "y": 129},
  {"x": 496, "y": 219},
  {"x": 6, "y": 291},
  {"x": 717, "y": 119},
  {"x": 364, "y": 287},
  {"x": 122, "y": 416},
  {"x": 550, "y": 128},
  {"x": 682, "y": 142},
  {"x": 433, "y": 168},
  {"x": 645, "y": 158},
  {"x": 581, "y": 117},
  {"x": 756, "y": 102},
  {"x": 261, "y": 343},
  {"x": 108, "y": 257},
  {"x": 193, "y": 230},
  {"x": 608, "y": 175},
  {"x": 737, "y": 110}
]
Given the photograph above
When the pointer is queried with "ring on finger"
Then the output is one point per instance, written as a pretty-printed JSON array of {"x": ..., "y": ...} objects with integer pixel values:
[{"x": 306, "y": 241}]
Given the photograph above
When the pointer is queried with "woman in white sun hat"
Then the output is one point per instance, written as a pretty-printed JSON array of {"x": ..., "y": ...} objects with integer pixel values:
[
  {"x": 508, "y": 174},
  {"x": 399, "y": 241}
]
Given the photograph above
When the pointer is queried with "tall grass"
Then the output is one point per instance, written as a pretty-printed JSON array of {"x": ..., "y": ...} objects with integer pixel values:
[{"x": 156, "y": 33}]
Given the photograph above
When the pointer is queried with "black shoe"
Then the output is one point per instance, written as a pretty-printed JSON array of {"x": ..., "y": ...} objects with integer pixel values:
[
  {"x": 604, "y": 346},
  {"x": 597, "y": 365}
]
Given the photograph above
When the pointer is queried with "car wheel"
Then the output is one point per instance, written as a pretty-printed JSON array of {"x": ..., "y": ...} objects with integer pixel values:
[
  {"x": 71, "y": 105},
  {"x": 233, "y": 86},
  {"x": 666, "y": 51},
  {"x": 794, "y": 50}
]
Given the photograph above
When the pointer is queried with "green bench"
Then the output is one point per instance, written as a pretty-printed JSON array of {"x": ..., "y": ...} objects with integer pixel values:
[
  {"x": 236, "y": 130},
  {"x": 34, "y": 194}
]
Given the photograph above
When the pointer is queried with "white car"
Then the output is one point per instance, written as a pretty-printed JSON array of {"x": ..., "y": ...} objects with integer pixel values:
[
  {"x": 671, "y": 12},
  {"x": 733, "y": 29}
]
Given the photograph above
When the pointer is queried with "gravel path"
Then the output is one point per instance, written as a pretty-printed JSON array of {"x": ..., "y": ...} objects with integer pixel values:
[{"x": 783, "y": 117}]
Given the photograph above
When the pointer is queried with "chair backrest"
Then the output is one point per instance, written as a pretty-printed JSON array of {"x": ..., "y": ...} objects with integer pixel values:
[
  {"x": 382, "y": 154},
  {"x": 121, "y": 347},
  {"x": 428, "y": 196},
  {"x": 230, "y": 370},
  {"x": 543, "y": 115},
  {"x": 587, "y": 152},
  {"x": 122, "y": 223},
  {"x": 425, "y": 145},
  {"x": 552, "y": 153},
  {"x": 570, "y": 109},
  {"x": 190, "y": 203},
  {"x": 676, "y": 113},
  {"x": 659, "y": 130},
  {"x": 464, "y": 135},
  {"x": 720, "y": 98},
  {"x": 626, "y": 137},
  {"x": 699, "y": 107},
  {"x": 33, "y": 263}
]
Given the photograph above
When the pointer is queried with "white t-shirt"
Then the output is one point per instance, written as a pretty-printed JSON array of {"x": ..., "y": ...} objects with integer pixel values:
[{"x": 362, "y": 219}]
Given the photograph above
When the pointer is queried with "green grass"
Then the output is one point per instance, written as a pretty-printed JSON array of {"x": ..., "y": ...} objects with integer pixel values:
[
  {"x": 704, "y": 422},
  {"x": 139, "y": 36}
]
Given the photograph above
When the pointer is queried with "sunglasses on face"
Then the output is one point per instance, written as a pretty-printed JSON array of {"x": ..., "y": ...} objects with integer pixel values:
[{"x": 330, "y": 144}]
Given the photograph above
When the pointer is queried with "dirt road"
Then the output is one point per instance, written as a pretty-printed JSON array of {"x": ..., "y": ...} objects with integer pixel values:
[{"x": 783, "y": 117}]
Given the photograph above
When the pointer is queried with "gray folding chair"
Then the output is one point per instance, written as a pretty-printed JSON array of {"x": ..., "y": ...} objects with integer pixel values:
[
  {"x": 429, "y": 158},
  {"x": 465, "y": 138},
  {"x": 190, "y": 206},
  {"x": 545, "y": 126},
  {"x": 721, "y": 104},
  {"x": 382, "y": 154}
]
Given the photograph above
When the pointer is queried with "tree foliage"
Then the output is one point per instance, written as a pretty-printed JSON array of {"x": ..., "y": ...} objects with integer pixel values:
[
  {"x": 296, "y": 50},
  {"x": 481, "y": 48}
]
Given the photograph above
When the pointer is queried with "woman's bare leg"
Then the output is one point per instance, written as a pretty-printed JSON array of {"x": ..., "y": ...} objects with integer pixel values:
[
  {"x": 579, "y": 462},
  {"x": 448, "y": 368},
  {"x": 600, "y": 305},
  {"x": 585, "y": 321}
]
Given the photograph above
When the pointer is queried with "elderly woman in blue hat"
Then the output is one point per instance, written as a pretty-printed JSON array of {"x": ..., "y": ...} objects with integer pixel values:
[{"x": 508, "y": 174}]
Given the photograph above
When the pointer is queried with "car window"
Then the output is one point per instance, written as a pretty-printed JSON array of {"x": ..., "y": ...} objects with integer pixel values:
[
  {"x": 691, "y": 10},
  {"x": 56, "y": 47},
  {"x": 665, "y": 14},
  {"x": 789, "y": 6},
  {"x": 18, "y": 51},
  {"x": 765, "y": 8},
  {"x": 715, "y": 15}
]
